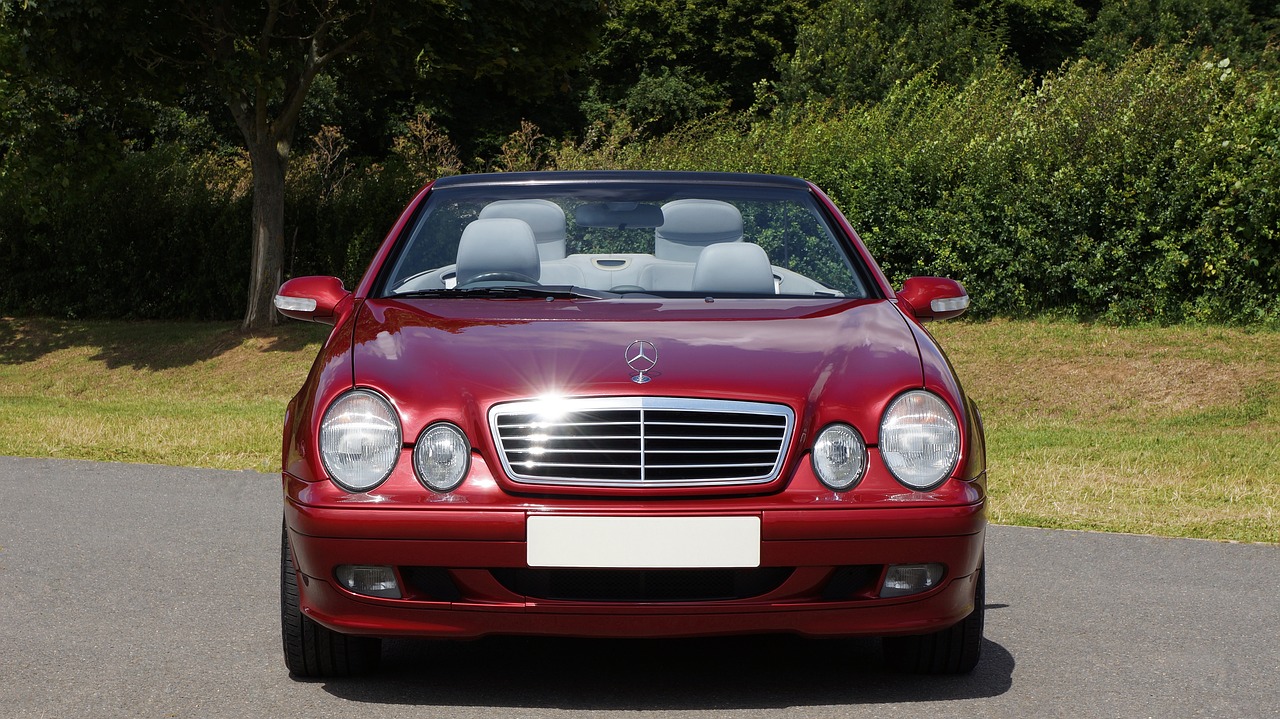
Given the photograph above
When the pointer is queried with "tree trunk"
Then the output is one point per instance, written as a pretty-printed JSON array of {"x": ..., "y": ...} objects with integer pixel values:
[{"x": 268, "y": 235}]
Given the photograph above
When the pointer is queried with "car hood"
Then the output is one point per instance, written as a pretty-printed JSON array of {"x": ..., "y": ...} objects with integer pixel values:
[{"x": 452, "y": 359}]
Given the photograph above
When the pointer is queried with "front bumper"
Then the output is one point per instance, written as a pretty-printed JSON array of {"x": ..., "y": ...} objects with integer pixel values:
[{"x": 829, "y": 562}]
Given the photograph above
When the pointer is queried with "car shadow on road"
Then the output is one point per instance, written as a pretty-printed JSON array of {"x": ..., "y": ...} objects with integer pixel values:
[{"x": 658, "y": 675}]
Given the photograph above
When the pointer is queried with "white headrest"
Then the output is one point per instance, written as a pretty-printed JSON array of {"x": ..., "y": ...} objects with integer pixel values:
[
  {"x": 497, "y": 245},
  {"x": 545, "y": 217},
  {"x": 690, "y": 225},
  {"x": 734, "y": 267}
]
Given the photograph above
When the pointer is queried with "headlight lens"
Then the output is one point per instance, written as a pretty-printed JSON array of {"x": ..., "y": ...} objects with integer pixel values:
[
  {"x": 919, "y": 439},
  {"x": 441, "y": 457},
  {"x": 359, "y": 440},
  {"x": 839, "y": 456}
]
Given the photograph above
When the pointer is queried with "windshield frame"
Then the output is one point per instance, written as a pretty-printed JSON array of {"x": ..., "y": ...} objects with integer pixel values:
[{"x": 656, "y": 187}]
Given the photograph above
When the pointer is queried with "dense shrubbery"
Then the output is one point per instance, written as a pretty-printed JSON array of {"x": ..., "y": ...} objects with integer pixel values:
[
  {"x": 162, "y": 233},
  {"x": 1144, "y": 192},
  {"x": 155, "y": 234}
]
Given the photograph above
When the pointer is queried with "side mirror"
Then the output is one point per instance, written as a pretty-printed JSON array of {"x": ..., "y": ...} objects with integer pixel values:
[
  {"x": 933, "y": 298},
  {"x": 313, "y": 299}
]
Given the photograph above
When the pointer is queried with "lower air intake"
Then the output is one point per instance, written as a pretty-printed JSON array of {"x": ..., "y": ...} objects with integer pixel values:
[{"x": 643, "y": 585}]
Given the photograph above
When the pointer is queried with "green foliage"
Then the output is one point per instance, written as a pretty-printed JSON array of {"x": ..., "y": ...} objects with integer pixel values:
[
  {"x": 1041, "y": 34},
  {"x": 1136, "y": 186},
  {"x": 488, "y": 67},
  {"x": 1144, "y": 193},
  {"x": 667, "y": 62},
  {"x": 263, "y": 61},
  {"x": 159, "y": 235},
  {"x": 854, "y": 51},
  {"x": 670, "y": 99},
  {"x": 1230, "y": 27}
]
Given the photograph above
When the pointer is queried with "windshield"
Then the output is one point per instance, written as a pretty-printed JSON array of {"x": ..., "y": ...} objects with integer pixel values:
[{"x": 620, "y": 240}]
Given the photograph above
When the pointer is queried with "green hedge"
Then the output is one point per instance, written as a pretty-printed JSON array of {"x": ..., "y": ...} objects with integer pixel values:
[
  {"x": 1147, "y": 192},
  {"x": 151, "y": 236},
  {"x": 1141, "y": 193},
  {"x": 164, "y": 234}
]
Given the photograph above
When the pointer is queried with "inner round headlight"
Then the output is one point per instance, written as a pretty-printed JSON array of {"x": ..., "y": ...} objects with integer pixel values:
[
  {"x": 441, "y": 457},
  {"x": 359, "y": 440},
  {"x": 919, "y": 439},
  {"x": 839, "y": 456}
]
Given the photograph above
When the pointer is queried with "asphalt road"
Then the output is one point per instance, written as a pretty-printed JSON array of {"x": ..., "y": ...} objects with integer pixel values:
[{"x": 130, "y": 590}]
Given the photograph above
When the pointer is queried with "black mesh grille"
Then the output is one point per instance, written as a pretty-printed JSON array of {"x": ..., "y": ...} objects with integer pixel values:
[
  {"x": 431, "y": 583},
  {"x": 642, "y": 585}
]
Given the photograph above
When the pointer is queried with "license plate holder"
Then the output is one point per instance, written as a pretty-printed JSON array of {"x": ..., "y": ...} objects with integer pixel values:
[{"x": 642, "y": 542}]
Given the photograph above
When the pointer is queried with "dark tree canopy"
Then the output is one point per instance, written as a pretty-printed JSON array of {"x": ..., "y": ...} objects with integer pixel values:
[
  {"x": 854, "y": 50},
  {"x": 1039, "y": 34},
  {"x": 665, "y": 62},
  {"x": 1239, "y": 29},
  {"x": 261, "y": 59}
]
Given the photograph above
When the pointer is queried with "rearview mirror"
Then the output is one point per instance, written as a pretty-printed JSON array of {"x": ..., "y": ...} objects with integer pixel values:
[
  {"x": 619, "y": 215},
  {"x": 312, "y": 299},
  {"x": 933, "y": 298}
]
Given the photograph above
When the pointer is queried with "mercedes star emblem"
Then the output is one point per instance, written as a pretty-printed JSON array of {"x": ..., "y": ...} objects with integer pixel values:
[{"x": 642, "y": 357}]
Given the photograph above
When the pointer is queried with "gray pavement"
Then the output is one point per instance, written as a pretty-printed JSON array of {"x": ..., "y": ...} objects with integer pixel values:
[{"x": 131, "y": 590}]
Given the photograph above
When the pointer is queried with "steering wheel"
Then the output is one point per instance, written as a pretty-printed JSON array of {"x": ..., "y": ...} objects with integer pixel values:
[{"x": 501, "y": 275}]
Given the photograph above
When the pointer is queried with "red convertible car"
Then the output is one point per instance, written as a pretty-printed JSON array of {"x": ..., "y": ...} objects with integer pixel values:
[{"x": 629, "y": 404}]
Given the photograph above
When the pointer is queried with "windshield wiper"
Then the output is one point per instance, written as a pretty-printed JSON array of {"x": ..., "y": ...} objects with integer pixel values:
[{"x": 515, "y": 291}]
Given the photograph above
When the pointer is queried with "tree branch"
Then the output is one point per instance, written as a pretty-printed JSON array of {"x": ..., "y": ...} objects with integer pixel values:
[
  {"x": 268, "y": 28},
  {"x": 315, "y": 62},
  {"x": 343, "y": 47},
  {"x": 238, "y": 103}
]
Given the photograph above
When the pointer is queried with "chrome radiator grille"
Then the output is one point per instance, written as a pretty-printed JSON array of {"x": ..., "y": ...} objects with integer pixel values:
[{"x": 641, "y": 441}]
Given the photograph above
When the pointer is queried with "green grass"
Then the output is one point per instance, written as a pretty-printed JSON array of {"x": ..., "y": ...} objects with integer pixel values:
[
  {"x": 164, "y": 393},
  {"x": 1160, "y": 430},
  {"x": 1171, "y": 431}
]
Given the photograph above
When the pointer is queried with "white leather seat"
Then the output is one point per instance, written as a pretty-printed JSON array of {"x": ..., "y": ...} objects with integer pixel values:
[
  {"x": 547, "y": 221},
  {"x": 734, "y": 267},
  {"x": 497, "y": 246},
  {"x": 688, "y": 226},
  {"x": 544, "y": 217}
]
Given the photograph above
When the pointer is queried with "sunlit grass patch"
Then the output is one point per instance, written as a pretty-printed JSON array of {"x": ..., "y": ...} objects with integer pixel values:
[
  {"x": 196, "y": 394},
  {"x": 1161, "y": 430}
]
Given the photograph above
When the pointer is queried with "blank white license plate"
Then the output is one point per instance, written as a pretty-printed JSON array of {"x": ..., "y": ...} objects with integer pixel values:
[{"x": 635, "y": 542}]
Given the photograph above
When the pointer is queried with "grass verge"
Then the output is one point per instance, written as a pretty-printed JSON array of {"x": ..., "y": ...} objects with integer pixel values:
[
  {"x": 194, "y": 394},
  {"x": 1168, "y": 430},
  {"x": 1171, "y": 431}
]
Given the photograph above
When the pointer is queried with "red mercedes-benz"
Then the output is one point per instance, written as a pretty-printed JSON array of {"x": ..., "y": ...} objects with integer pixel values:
[{"x": 629, "y": 404}]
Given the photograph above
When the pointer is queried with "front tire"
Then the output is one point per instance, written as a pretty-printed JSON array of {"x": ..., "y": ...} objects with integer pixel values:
[
  {"x": 311, "y": 650},
  {"x": 954, "y": 650}
]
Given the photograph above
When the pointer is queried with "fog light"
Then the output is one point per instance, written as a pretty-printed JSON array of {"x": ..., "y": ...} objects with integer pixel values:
[
  {"x": 839, "y": 457},
  {"x": 904, "y": 579},
  {"x": 370, "y": 581}
]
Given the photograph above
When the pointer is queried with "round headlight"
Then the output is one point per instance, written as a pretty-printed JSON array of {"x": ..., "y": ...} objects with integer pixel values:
[
  {"x": 441, "y": 457},
  {"x": 359, "y": 440},
  {"x": 839, "y": 456},
  {"x": 919, "y": 439}
]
